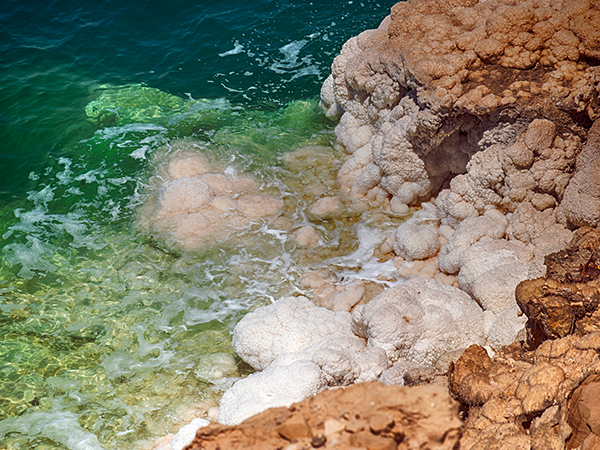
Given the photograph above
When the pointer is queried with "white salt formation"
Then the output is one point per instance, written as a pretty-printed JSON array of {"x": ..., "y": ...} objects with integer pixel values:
[{"x": 197, "y": 204}]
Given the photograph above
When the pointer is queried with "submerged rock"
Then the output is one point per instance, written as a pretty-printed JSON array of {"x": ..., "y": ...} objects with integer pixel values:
[{"x": 195, "y": 204}]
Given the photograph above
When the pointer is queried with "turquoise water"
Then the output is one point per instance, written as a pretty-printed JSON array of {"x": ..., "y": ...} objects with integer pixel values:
[{"x": 108, "y": 336}]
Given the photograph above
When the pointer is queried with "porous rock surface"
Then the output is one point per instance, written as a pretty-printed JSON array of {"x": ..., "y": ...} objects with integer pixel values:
[
  {"x": 566, "y": 300},
  {"x": 581, "y": 202},
  {"x": 497, "y": 92},
  {"x": 364, "y": 416},
  {"x": 520, "y": 399}
]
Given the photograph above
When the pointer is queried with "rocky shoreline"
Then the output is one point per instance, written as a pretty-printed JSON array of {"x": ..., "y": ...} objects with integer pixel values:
[{"x": 482, "y": 115}]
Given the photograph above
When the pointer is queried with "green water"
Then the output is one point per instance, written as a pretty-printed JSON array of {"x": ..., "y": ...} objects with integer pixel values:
[{"x": 102, "y": 322}]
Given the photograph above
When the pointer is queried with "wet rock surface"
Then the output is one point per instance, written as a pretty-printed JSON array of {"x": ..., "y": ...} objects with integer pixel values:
[{"x": 364, "y": 416}]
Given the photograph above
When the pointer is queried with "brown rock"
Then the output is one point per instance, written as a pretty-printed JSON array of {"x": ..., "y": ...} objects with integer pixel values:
[
  {"x": 381, "y": 422},
  {"x": 529, "y": 404},
  {"x": 584, "y": 413},
  {"x": 370, "y": 442},
  {"x": 566, "y": 301},
  {"x": 294, "y": 428},
  {"x": 474, "y": 360},
  {"x": 365, "y": 415}
]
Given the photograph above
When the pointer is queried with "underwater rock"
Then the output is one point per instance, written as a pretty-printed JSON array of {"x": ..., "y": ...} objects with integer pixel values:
[
  {"x": 194, "y": 204},
  {"x": 122, "y": 105},
  {"x": 306, "y": 236},
  {"x": 366, "y": 415}
]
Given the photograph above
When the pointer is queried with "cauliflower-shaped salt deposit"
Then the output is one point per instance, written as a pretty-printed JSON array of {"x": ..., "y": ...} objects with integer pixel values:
[
  {"x": 416, "y": 242},
  {"x": 277, "y": 385},
  {"x": 492, "y": 224},
  {"x": 420, "y": 320},
  {"x": 196, "y": 204},
  {"x": 288, "y": 325}
]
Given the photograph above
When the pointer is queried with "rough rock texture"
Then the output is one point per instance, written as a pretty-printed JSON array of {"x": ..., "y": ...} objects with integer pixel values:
[
  {"x": 419, "y": 321},
  {"x": 581, "y": 202},
  {"x": 584, "y": 414},
  {"x": 368, "y": 416},
  {"x": 520, "y": 399},
  {"x": 542, "y": 392},
  {"x": 566, "y": 301},
  {"x": 494, "y": 95},
  {"x": 288, "y": 325}
]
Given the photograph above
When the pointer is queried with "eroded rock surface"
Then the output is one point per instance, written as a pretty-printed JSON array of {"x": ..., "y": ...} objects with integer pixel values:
[
  {"x": 368, "y": 415},
  {"x": 498, "y": 91},
  {"x": 520, "y": 399},
  {"x": 566, "y": 300}
]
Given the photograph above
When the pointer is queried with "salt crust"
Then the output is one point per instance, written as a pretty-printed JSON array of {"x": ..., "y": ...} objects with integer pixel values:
[
  {"x": 197, "y": 205},
  {"x": 303, "y": 349}
]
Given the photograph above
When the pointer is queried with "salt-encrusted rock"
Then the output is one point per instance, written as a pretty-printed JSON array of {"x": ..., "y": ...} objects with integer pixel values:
[
  {"x": 366, "y": 415},
  {"x": 492, "y": 224},
  {"x": 419, "y": 321},
  {"x": 581, "y": 203},
  {"x": 506, "y": 327},
  {"x": 288, "y": 325},
  {"x": 326, "y": 208},
  {"x": 277, "y": 385},
  {"x": 416, "y": 242},
  {"x": 332, "y": 294},
  {"x": 347, "y": 360},
  {"x": 443, "y": 88},
  {"x": 194, "y": 205},
  {"x": 306, "y": 236},
  {"x": 487, "y": 255}
]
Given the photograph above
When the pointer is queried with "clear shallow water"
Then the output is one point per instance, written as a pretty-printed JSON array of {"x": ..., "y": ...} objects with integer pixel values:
[{"x": 105, "y": 332}]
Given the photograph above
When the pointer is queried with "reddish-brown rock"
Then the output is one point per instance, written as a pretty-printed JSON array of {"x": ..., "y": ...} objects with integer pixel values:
[
  {"x": 370, "y": 416},
  {"x": 566, "y": 300},
  {"x": 584, "y": 414}
]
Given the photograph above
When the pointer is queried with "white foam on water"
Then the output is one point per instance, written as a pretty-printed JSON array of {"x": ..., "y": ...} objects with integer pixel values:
[
  {"x": 140, "y": 153},
  {"x": 361, "y": 264},
  {"x": 60, "y": 426},
  {"x": 32, "y": 257},
  {"x": 66, "y": 176},
  {"x": 290, "y": 61},
  {"x": 237, "y": 49},
  {"x": 114, "y": 132},
  {"x": 306, "y": 71}
]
